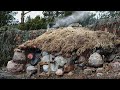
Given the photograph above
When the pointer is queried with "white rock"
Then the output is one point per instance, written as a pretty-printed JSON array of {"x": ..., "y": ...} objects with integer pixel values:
[
  {"x": 99, "y": 74},
  {"x": 60, "y": 60},
  {"x": 59, "y": 72},
  {"x": 95, "y": 60},
  {"x": 30, "y": 69},
  {"x": 53, "y": 67},
  {"x": 28, "y": 65},
  {"x": 45, "y": 68},
  {"x": 11, "y": 65},
  {"x": 47, "y": 58}
]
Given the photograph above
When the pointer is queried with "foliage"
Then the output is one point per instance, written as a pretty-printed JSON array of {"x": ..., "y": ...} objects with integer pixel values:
[
  {"x": 12, "y": 37},
  {"x": 33, "y": 24},
  {"x": 6, "y": 17}
]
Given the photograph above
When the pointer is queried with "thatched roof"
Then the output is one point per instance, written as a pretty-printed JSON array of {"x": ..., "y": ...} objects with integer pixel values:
[{"x": 70, "y": 39}]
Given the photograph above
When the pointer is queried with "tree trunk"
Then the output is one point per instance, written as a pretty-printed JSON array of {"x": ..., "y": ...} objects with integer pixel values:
[{"x": 22, "y": 17}]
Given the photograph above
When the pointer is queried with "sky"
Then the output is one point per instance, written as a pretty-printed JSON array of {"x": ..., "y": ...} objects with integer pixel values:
[{"x": 32, "y": 14}]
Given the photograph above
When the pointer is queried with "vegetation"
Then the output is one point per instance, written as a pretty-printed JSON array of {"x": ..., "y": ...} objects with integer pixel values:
[{"x": 6, "y": 17}]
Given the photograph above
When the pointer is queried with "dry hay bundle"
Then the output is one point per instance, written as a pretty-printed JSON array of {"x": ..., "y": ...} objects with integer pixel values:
[{"x": 68, "y": 40}]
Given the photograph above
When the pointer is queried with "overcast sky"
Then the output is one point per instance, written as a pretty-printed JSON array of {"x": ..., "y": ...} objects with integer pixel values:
[{"x": 32, "y": 14}]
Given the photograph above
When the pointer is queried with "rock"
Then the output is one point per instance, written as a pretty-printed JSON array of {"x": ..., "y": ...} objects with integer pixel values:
[
  {"x": 95, "y": 60},
  {"x": 116, "y": 66},
  {"x": 81, "y": 59},
  {"x": 99, "y": 75},
  {"x": 44, "y": 53},
  {"x": 111, "y": 58},
  {"x": 36, "y": 59},
  {"x": 14, "y": 67},
  {"x": 53, "y": 67},
  {"x": 75, "y": 25},
  {"x": 60, "y": 60},
  {"x": 100, "y": 70},
  {"x": 87, "y": 71},
  {"x": 119, "y": 74},
  {"x": 45, "y": 68},
  {"x": 68, "y": 68},
  {"x": 59, "y": 72},
  {"x": 70, "y": 74},
  {"x": 47, "y": 58},
  {"x": 19, "y": 56},
  {"x": 27, "y": 65},
  {"x": 30, "y": 70},
  {"x": 117, "y": 58}
]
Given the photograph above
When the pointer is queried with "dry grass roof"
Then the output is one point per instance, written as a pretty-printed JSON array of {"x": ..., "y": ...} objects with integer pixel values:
[{"x": 68, "y": 39}]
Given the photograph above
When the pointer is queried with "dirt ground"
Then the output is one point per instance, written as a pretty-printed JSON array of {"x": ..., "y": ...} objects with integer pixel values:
[{"x": 77, "y": 74}]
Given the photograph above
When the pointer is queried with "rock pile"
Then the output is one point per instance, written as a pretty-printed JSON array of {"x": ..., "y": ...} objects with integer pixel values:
[{"x": 88, "y": 50}]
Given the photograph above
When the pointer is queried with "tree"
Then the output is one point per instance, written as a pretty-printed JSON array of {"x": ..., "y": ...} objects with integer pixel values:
[
  {"x": 6, "y": 17},
  {"x": 34, "y": 24},
  {"x": 23, "y": 13}
]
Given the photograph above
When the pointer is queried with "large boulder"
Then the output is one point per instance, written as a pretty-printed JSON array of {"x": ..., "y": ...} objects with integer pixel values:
[
  {"x": 14, "y": 67},
  {"x": 95, "y": 60}
]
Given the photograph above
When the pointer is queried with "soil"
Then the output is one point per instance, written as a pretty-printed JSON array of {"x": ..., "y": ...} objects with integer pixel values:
[{"x": 77, "y": 74}]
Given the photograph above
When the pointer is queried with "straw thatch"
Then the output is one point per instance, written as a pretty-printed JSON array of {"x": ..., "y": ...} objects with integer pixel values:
[{"x": 68, "y": 40}]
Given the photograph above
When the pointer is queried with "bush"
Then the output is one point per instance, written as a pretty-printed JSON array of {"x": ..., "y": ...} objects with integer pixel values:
[{"x": 9, "y": 39}]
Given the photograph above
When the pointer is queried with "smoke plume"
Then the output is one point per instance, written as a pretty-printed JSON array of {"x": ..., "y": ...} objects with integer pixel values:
[{"x": 75, "y": 17}]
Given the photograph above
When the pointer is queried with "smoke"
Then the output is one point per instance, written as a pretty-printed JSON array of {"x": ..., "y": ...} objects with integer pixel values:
[{"x": 75, "y": 17}]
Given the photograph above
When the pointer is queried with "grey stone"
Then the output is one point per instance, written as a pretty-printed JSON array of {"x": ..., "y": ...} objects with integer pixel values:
[
  {"x": 30, "y": 70},
  {"x": 115, "y": 66},
  {"x": 19, "y": 55},
  {"x": 111, "y": 58},
  {"x": 47, "y": 58},
  {"x": 95, "y": 60},
  {"x": 99, "y": 70},
  {"x": 87, "y": 71},
  {"x": 60, "y": 60}
]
